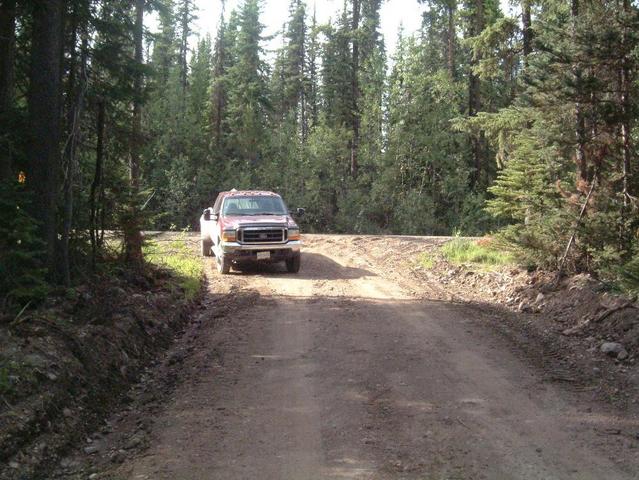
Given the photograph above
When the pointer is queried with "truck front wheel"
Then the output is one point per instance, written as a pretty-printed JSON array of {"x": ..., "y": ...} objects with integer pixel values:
[
  {"x": 293, "y": 263},
  {"x": 223, "y": 264},
  {"x": 206, "y": 245}
]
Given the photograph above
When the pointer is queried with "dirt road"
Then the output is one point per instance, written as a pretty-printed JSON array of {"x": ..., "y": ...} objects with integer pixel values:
[{"x": 343, "y": 371}]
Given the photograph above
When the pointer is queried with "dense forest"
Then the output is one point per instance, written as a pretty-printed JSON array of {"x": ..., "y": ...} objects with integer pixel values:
[{"x": 522, "y": 125}]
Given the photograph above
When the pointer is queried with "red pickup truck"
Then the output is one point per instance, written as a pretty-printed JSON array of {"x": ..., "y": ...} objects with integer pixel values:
[{"x": 250, "y": 226}]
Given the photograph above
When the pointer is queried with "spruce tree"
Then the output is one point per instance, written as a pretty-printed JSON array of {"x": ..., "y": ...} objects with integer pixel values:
[{"x": 247, "y": 88}]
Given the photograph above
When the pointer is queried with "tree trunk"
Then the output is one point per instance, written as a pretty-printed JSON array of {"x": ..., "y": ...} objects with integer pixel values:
[
  {"x": 474, "y": 95},
  {"x": 131, "y": 227},
  {"x": 580, "y": 120},
  {"x": 302, "y": 93},
  {"x": 625, "y": 236},
  {"x": 97, "y": 182},
  {"x": 312, "y": 72},
  {"x": 136, "y": 129},
  {"x": 355, "y": 89},
  {"x": 44, "y": 121},
  {"x": 184, "y": 49},
  {"x": 526, "y": 30},
  {"x": 69, "y": 150},
  {"x": 452, "y": 40},
  {"x": 7, "y": 77},
  {"x": 76, "y": 91},
  {"x": 624, "y": 82},
  {"x": 218, "y": 72}
]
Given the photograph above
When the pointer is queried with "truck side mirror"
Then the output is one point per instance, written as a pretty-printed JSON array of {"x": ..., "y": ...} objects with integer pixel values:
[
  {"x": 301, "y": 212},
  {"x": 207, "y": 214}
]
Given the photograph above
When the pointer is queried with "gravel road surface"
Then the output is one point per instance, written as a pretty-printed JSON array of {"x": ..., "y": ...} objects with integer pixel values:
[{"x": 349, "y": 371}]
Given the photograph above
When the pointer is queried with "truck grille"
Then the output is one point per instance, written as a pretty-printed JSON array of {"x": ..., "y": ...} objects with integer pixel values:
[{"x": 262, "y": 235}]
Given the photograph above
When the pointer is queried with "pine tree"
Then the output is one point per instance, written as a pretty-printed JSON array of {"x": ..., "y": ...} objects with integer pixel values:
[
  {"x": 185, "y": 15},
  {"x": 295, "y": 61},
  {"x": 372, "y": 78},
  {"x": 131, "y": 220},
  {"x": 424, "y": 176},
  {"x": 436, "y": 35},
  {"x": 336, "y": 77},
  {"x": 312, "y": 80},
  {"x": 200, "y": 79},
  {"x": 44, "y": 122},
  {"x": 7, "y": 82},
  {"x": 165, "y": 41},
  {"x": 22, "y": 270},
  {"x": 569, "y": 116},
  {"x": 223, "y": 58},
  {"x": 247, "y": 88}
]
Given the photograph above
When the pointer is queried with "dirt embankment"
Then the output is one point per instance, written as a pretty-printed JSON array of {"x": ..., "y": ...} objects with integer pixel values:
[{"x": 68, "y": 363}]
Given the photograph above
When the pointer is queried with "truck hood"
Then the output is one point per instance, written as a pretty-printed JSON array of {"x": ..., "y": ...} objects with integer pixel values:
[{"x": 238, "y": 221}]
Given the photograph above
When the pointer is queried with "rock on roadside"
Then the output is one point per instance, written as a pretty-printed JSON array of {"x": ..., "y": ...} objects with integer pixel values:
[{"x": 614, "y": 349}]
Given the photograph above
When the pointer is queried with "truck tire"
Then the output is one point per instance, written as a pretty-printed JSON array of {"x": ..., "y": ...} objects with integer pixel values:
[
  {"x": 293, "y": 263},
  {"x": 223, "y": 265},
  {"x": 206, "y": 245}
]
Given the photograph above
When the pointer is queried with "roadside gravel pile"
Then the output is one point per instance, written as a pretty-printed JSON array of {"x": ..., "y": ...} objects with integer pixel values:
[
  {"x": 578, "y": 305},
  {"x": 67, "y": 363}
]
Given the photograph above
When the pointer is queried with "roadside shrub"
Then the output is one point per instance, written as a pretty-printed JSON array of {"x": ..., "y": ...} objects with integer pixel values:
[
  {"x": 540, "y": 243},
  {"x": 472, "y": 218},
  {"x": 629, "y": 275},
  {"x": 22, "y": 272},
  {"x": 414, "y": 214}
]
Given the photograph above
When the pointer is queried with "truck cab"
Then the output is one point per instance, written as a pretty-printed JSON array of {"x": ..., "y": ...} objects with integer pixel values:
[{"x": 250, "y": 226}]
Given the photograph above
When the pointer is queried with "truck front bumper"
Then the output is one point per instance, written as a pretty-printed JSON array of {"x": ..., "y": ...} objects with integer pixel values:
[{"x": 245, "y": 253}]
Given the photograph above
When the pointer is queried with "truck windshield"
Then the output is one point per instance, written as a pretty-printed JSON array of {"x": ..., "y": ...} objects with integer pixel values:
[{"x": 258, "y": 205}]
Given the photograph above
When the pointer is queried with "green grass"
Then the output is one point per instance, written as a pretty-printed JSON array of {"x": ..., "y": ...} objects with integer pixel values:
[
  {"x": 177, "y": 257},
  {"x": 464, "y": 251},
  {"x": 426, "y": 260}
]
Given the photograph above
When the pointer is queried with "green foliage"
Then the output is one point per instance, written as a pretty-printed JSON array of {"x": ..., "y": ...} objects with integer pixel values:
[
  {"x": 629, "y": 275},
  {"x": 462, "y": 250},
  {"x": 541, "y": 190},
  {"x": 248, "y": 96},
  {"x": 22, "y": 272},
  {"x": 288, "y": 79},
  {"x": 539, "y": 244},
  {"x": 327, "y": 162},
  {"x": 425, "y": 260},
  {"x": 462, "y": 133},
  {"x": 178, "y": 256},
  {"x": 495, "y": 46},
  {"x": 291, "y": 129},
  {"x": 425, "y": 171}
]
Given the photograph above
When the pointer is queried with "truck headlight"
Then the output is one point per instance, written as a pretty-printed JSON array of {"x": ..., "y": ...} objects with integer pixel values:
[
  {"x": 228, "y": 236},
  {"x": 293, "y": 233}
]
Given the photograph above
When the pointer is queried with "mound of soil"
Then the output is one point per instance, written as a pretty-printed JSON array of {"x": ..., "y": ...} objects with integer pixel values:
[
  {"x": 66, "y": 364},
  {"x": 577, "y": 305}
]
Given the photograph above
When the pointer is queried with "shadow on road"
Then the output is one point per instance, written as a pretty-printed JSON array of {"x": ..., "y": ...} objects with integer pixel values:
[{"x": 314, "y": 267}]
